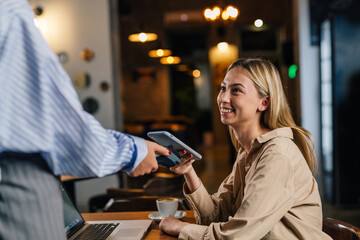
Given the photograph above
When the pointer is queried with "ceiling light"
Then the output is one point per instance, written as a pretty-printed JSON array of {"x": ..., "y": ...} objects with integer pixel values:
[
  {"x": 170, "y": 60},
  {"x": 143, "y": 37},
  {"x": 258, "y": 23},
  {"x": 208, "y": 13},
  {"x": 182, "y": 68},
  {"x": 233, "y": 12},
  {"x": 156, "y": 53},
  {"x": 196, "y": 73},
  {"x": 229, "y": 12},
  {"x": 222, "y": 46}
]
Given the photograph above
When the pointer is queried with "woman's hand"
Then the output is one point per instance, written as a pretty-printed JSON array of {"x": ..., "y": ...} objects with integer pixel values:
[
  {"x": 172, "y": 225},
  {"x": 185, "y": 166}
]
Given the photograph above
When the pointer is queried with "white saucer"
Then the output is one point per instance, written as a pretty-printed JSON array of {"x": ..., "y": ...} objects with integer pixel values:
[{"x": 157, "y": 217}]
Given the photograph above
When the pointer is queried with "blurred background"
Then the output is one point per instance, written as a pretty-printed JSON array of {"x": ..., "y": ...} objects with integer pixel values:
[{"x": 145, "y": 65}]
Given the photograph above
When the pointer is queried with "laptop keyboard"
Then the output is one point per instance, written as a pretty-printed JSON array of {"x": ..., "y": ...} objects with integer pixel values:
[{"x": 97, "y": 231}]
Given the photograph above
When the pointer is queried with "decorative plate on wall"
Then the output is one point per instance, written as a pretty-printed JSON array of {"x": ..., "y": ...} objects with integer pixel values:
[
  {"x": 82, "y": 80},
  {"x": 87, "y": 54},
  {"x": 104, "y": 86},
  {"x": 91, "y": 105},
  {"x": 63, "y": 57}
]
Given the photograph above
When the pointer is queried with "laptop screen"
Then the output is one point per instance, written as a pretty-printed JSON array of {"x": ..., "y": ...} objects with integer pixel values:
[{"x": 72, "y": 217}]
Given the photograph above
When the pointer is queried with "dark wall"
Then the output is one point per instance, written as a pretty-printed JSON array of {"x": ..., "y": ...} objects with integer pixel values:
[
  {"x": 346, "y": 102},
  {"x": 322, "y": 9}
]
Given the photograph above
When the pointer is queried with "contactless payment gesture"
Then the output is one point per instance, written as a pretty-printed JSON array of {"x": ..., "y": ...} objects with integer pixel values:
[
  {"x": 169, "y": 161},
  {"x": 175, "y": 145}
]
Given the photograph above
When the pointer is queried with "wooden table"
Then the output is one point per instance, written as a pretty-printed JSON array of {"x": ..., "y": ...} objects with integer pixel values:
[{"x": 153, "y": 233}]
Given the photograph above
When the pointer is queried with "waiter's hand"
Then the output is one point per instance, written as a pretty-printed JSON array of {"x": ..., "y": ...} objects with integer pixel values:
[{"x": 149, "y": 164}]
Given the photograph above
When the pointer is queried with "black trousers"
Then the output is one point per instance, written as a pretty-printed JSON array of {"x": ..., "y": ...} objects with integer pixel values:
[{"x": 30, "y": 199}]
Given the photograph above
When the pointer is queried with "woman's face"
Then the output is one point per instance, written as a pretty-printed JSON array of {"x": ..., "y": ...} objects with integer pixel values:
[{"x": 239, "y": 102}]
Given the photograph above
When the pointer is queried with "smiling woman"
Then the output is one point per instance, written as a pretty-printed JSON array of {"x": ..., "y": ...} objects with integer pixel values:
[
  {"x": 267, "y": 80},
  {"x": 238, "y": 100},
  {"x": 271, "y": 192}
]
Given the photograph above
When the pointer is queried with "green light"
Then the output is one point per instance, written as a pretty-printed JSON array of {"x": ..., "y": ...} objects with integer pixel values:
[{"x": 292, "y": 71}]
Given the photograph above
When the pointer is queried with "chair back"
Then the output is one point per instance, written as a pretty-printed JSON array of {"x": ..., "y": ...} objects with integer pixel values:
[{"x": 340, "y": 230}]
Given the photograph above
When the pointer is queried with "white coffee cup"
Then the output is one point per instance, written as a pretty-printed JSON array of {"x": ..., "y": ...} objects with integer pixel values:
[{"x": 167, "y": 206}]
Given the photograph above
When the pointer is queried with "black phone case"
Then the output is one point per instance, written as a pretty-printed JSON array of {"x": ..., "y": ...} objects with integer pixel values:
[{"x": 169, "y": 161}]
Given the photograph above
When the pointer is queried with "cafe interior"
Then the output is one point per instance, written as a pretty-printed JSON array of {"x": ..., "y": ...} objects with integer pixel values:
[{"x": 156, "y": 65}]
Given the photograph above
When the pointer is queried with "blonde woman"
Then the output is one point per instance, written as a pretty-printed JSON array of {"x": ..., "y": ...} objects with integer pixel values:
[{"x": 271, "y": 192}]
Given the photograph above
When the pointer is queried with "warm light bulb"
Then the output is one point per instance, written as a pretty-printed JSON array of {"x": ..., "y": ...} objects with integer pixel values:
[
  {"x": 217, "y": 11},
  {"x": 225, "y": 16},
  {"x": 213, "y": 16},
  {"x": 207, "y": 13},
  {"x": 196, "y": 73},
  {"x": 232, "y": 12},
  {"x": 170, "y": 59},
  {"x": 160, "y": 52},
  {"x": 258, "y": 23},
  {"x": 142, "y": 37},
  {"x": 222, "y": 46}
]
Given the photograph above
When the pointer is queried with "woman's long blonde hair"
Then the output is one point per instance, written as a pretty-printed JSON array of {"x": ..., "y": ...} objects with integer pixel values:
[{"x": 268, "y": 83}]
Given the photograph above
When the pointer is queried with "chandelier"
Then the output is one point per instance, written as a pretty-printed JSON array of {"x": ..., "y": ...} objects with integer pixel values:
[{"x": 228, "y": 13}]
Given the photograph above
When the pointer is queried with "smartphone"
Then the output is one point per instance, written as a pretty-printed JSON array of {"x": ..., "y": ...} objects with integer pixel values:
[{"x": 169, "y": 141}]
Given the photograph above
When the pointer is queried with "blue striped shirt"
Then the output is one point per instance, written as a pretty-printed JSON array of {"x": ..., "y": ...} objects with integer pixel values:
[{"x": 41, "y": 112}]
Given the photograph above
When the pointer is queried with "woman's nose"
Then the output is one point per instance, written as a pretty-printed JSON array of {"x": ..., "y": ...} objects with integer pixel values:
[{"x": 224, "y": 97}]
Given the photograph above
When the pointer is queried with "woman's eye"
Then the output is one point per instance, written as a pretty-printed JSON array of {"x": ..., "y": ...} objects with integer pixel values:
[
  {"x": 236, "y": 90},
  {"x": 222, "y": 88}
]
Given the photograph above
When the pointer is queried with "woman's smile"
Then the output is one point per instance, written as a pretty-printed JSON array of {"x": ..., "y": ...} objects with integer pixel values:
[{"x": 226, "y": 111}]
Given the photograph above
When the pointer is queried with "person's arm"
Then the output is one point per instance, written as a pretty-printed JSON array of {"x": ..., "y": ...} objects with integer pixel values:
[
  {"x": 207, "y": 208},
  {"x": 185, "y": 167},
  {"x": 268, "y": 195},
  {"x": 41, "y": 112},
  {"x": 192, "y": 181},
  {"x": 149, "y": 164}
]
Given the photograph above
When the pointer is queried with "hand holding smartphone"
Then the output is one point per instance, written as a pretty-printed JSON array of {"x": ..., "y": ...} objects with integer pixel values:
[{"x": 174, "y": 144}]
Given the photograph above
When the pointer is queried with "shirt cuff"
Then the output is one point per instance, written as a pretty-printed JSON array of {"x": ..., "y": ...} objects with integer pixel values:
[
  {"x": 141, "y": 152},
  {"x": 193, "y": 231}
]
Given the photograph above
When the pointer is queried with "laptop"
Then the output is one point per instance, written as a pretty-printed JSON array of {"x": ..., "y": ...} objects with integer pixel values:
[{"x": 76, "y": 227}]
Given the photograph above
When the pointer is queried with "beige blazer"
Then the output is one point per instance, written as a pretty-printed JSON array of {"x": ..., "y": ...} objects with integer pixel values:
[{"x": 270, "y": 194}]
